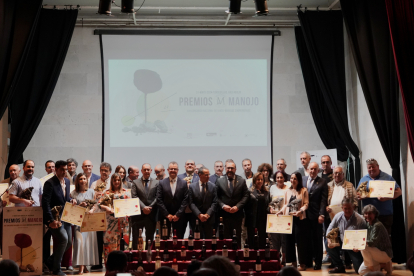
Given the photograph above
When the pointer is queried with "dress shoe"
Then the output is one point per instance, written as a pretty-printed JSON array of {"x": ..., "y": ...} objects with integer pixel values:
[
  {"x": 331, "y": 266},
  {"x": 96, "y": 267},
  {"x": 337, "y": 270},
  {"x": 317, "y": 267}
]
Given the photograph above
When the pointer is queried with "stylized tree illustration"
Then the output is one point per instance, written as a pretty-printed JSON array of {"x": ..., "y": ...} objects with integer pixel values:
[
  {"x": 147, "y": 82},
  {"x": 22, "y": 241}
]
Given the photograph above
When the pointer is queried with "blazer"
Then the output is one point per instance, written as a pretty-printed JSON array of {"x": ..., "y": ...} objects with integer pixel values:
[
  {"x": 169, "y": 204},
  {"x": 213, "y": 178},
  {"x": 94, "y": 177},
  {"x": 318, "y": 197},
  {"x": 301, "y": 170},
  {"x": 303, "y": 205},
  {"x": 250, "y": 210},
  {"x": 262, "y": 213},
  {"x": 53, "y": 196},
  {"x": 239, "y": 197},
  {"x": 195, "y": 179},
  {"x": 145, "y": 199},
  {"x": 200, "y": 205}
]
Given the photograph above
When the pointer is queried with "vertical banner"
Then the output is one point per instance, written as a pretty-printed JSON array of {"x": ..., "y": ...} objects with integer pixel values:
[{"x": 22, "y": 238}]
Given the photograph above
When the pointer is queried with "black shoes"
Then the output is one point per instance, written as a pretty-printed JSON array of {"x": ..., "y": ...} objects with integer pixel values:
[
  {"x": 337, "y": 270},
  {"x": 96, "y": 267}
]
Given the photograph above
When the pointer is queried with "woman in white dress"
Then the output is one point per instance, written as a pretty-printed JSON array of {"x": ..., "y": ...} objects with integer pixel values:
[{"x": 85, "y": 246}]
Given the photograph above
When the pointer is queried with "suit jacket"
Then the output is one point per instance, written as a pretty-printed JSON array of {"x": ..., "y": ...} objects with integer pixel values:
[
  {"x": 250, "y": 210},
  {"x": 301, "y": 170},
  {"x": 318, "y": 197},
  {"x": 169, "y": 204},
  {"x": 195, "y": 179},
  {"x": 94, "y": 177},
  {"x": 213, "y": 178},
  {"x": 145, "y": 199},
  {"x": 206, "y": 205},
  {"x": 53, "y": 196},
  {"x": 239, "y": 197}
]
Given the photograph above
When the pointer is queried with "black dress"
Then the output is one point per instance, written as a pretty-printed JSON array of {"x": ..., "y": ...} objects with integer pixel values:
[{"x": 263, "y": 200}]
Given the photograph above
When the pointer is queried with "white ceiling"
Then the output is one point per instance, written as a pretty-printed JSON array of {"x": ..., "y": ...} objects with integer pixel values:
[{"x": 191, "y": 13}]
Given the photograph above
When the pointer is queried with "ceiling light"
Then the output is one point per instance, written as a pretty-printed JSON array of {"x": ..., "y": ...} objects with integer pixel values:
[
  {"x": 105, "y": 7},
  {"x": 261, "y": 7},
  {"x": 234, "y": 6}
]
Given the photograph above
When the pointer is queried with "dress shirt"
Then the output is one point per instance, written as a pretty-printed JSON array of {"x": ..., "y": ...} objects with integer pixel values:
[
  {"x": 21, "y": 183},
  {"x": 355, "y": 222},
  {"x": 338, "y": 193},
  {"x": 173, "y": 185},
  {"x": 201, "y": 186},
  {"x": 310, "y": 183},
  {"x": 63, "y": 184}
]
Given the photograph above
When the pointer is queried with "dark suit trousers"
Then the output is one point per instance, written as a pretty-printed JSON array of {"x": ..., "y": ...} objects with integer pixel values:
[
  {"x": 316, "y": 237},
  {"x": 179, "y": 225},
  {"x": 206, "y": 228},
  {"x": 231, "y": 223},
  {"x": 141, "y": 223},
  {"x": 100, "y": 237},
  {"x": 300, "y": 236},
  {"x": 189, "y": 220}
]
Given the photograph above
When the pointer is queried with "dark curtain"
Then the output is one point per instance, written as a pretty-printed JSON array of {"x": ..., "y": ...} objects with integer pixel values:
[
  {"x": 17, "y": 21},
  {"x": 401, "y": 25},
  {"x": 39, "y": 76},
  {"x": 321, "y": 116},
  {"x": 323, "y": 35},
  {"x": 367, "y": 27}
]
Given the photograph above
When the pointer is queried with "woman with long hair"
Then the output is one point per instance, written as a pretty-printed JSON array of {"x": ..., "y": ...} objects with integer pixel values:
[
  {"x": 115, "y": 225},
  {"x": 267, "y": 171},
  {"x": 122, "y": 172},
  {"x": 299, "y": 228},
  {"x": 85, "y": 245}
]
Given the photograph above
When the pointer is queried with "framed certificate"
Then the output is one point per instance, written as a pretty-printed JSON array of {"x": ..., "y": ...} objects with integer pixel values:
[
  {"x": 379, "y": 188},
  {"x": 335, "y": 210},
  {"x": 279, "y": 224},
  {"x": 94, "y": 222},
  {"x": 126, "y": 207},
  {"x": 355, "y": 239},
  {"x": 73, "y": 214}
]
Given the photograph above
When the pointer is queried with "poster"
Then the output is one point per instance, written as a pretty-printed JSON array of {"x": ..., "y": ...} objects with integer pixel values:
[{"x": 22, "y": 242}]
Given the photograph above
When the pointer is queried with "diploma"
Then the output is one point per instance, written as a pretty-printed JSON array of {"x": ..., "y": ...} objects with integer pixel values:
[
  {"x": 126, "y": 207},
  {"x": 355, "y": 239},
  {"x": 335, "y": 210},
  {"x": 94, "y": 222},
  {"x": 279, "y": 224},
  {"x": 73, "y": 214},
  {"x": 381, "y": 189}
]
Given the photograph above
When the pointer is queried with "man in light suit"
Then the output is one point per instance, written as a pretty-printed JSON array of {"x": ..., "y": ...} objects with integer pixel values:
[
  {"x": 232, "y": 195},
  {"x": 203, "y": 202},
  {"x": 87, "y": 169},
  {"x": 56, "y": 192},
  {"x": 318, "y": 198},
  {"x": 172, "y": 199},
  {"x": 145, "y": 188},
  {"x": 305, "y": 159}
]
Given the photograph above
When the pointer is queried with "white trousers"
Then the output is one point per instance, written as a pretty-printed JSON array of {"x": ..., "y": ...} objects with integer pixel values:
[{"x": 373, "y": 257}]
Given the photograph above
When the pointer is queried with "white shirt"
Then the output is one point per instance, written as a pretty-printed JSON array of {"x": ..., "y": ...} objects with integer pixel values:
[
  {"x": 173, "y": 185},
  {"x": 63, "y": 184},
  {"x": 310, "y": 183},
  {"x": 337, "y": 195},
  {"x": 98, "y": 182},
  {"x": 276, "y": 192},
  {"x": 21, "y": 183}
]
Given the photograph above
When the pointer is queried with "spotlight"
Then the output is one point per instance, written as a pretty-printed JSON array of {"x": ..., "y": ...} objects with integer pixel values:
[
  {"x": 127, "y": 6},
  {"x": 105, "y": 7},
  {"x": 261, "y": 7},
  {"x": 234, "y": 6}
]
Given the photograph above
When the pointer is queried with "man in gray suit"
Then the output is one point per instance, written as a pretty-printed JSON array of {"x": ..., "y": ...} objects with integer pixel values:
[
  {"x": 232, "y": 195},
  {"x": 203, "y": 201},
  {"x": 145, "y": 188},
  {"x": 305, "y": 159}
]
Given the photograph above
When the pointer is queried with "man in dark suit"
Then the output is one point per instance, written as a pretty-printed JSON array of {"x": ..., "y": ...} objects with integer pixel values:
[
  {"x": 145, "y": 188},
  {"x": 172, "y": 199},
  {"x": 203, "y": 202},
  {"x": 56, "y": 192},
  {"x": 318, "y": 198},
  {"x": 232, "y": 195},
  {"x": 190, "y": 176},
  {"x": 218, "y": 171},
  {"x": 87, "y": 169}
]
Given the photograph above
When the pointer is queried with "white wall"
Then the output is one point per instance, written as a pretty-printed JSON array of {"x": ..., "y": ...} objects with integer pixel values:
[{"x": 72, "y": 125}]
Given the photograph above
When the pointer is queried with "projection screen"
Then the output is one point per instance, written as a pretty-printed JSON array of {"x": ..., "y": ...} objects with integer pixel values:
[{"x": 174, "y": 97}]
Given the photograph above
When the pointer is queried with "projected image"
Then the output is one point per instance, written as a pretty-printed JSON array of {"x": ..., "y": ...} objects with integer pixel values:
[{"x": 163, "y": 103}]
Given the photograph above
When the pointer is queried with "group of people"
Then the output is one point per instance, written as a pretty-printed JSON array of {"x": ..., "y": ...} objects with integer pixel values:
[{"x": 242, "y": 201}]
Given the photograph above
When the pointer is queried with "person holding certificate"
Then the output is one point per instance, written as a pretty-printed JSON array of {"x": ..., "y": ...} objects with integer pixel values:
[
  {"x": 345, "y": 220},
  {"x": 278, "y": 191},
  {"x": 113, "y": 232},
  {"x": 85, "y": 246},
  {"x": 379, "y": 248},
  {"x": 300, "y": 228},
  {"x": 261, "y": 193}
]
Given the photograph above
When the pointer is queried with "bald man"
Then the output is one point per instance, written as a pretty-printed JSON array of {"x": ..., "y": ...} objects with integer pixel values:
[
  {"x": 133, "y": 174},
  {"x": 87, "y": 167},
  {"x": 159, "y": 171}
]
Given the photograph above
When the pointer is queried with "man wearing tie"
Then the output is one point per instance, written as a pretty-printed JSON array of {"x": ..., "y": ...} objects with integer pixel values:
[
  {"x": 232, "y": 195},
  {"x": 203, "y": 201},
  {"x": 145, "y": 188},
  {"x": 318, "y": 198},
  {"x": 190, "y": 176},
  {"x": 172, "y": 198}
]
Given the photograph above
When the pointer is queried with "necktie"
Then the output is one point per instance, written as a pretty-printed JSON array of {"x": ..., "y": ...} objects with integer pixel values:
[
  {"x": 310, "y": 183},
  {"x": 203, "y": 192},
  {"x": 231, "y": 185},
  {"x": 146, "y": 185}
]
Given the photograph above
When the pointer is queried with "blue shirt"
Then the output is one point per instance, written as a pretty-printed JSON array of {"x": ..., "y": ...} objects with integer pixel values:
[
  {"x": 384, "y": 207},
  {"x": 355, "y": 222}
]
